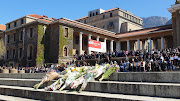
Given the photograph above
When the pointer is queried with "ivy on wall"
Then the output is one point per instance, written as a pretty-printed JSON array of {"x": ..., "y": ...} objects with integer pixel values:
[
  {"x": 65, "y": 41},
  {"x": 47, "y": 45},
  {"x": 40, "y": 46},
  {"x": 2, "y": 49}
]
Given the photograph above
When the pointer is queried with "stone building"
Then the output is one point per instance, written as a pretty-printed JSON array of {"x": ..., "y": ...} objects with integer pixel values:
[
  {"x": 115, "y": 20},
  {"x": 33, "y": 40},
  {"x": 24, "y": 40}
]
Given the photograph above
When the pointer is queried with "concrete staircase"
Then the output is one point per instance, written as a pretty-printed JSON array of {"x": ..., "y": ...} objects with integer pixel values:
[{"x": 152, "y": 86}]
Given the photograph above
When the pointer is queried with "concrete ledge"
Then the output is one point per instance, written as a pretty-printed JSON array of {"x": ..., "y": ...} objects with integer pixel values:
[
  {"x": 23, "y": 76},
  {"x": 23, "y": 82},
  {"x": 13, "y": 98},
  {"x": 73, "y": 96},
  {"x": 168, "y": 77},
  {"x": 134, "y": 88}
]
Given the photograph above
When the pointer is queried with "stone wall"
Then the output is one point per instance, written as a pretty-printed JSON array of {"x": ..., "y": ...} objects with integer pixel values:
[{"x": 65, "y": 42}]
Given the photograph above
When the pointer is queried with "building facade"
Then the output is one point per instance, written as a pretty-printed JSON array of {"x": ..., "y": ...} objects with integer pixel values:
[
  {"x": 23, "y": 41},
  {"x": 175, "y": 10},
  {"x": 115, "y": 20},
  {"x": 33, "y": 40}
]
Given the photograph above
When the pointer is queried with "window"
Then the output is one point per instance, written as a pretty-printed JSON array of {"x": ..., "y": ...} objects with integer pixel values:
[
  {"x": 93, "y": 14},
  {"x": 31, "y": 32},
  {"x": 20, "y": 52},
  {"x": 96, "y": 13},
  {"x": 103, "y": 16},
  {"x": 7, "y": 54},
  {"x": 85, "y": 41},
  {"x": 111, "y": 15},
  {"x": 77, "y": 39},
  {"x": 65, "y": 51},
  {"x": 22, "y": 21},
  {"x": 13, "y": 53},
  {"x": 66, "y": 32},
  {"x": 90, "y": 14},
  {"x": 85, "y": 21},
  {"x": 21, "y": 36},
  {"x": 9, "y": 26},
  {"x": 14, "y": 37},
  {"x": 8, "y": 38},
  {"x": 30, "y": 52},
  {"x": 110, "y": 23},
  {"x": 15, "y": 24}
]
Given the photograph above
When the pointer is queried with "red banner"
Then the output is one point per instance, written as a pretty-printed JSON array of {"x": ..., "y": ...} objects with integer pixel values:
[{"x": 94, "y": 44}]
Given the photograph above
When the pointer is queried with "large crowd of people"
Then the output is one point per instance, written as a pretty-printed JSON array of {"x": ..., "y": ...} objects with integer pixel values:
[
  {"x": 153, "y": 60},
  {"x": 131, "y": 61}
]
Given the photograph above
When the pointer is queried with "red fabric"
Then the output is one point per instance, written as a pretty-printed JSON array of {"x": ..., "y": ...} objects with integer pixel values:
[{"x": 94, "y": 44}]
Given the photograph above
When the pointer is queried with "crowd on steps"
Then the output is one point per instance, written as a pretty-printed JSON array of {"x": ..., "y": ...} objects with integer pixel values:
[{"x": 140, "y": 61}]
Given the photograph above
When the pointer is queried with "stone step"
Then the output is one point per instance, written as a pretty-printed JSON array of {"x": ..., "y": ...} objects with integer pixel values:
[
  {"x": 23, "y": 82},
  {"x": 13, "y": 98},
  {"x": 23, "y": 76},
  {"x": 165, "y": 77},
  {"x": 133, "y": 88},
  {"x": 40, "y": 94},
  {"x": 171, "y": 77},
  {"x": 171, "y": 90}
]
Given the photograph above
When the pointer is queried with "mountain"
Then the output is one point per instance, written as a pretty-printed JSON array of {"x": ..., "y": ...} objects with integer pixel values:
[
  {"x": 154, "y": 21},
  {"x": 169, "y": 22}
]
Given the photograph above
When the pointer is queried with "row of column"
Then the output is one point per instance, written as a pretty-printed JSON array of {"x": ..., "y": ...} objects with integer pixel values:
[
  {"x": 139, "y": 46},
  {"x": 118, "y": 43}
]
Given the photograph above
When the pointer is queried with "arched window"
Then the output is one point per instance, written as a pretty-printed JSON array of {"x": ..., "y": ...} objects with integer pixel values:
[{"x": 65, "y": 51}]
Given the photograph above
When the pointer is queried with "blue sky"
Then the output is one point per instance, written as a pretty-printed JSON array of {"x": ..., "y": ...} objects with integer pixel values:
[{"x": 74, "y": 9}]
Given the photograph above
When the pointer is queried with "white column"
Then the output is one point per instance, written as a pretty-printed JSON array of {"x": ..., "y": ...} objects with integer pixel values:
[
  {"x": 105, "y": 43},
  {"x": 89, "y": 37},
  {"x": 111, "y": 46},
  {"x": 150, "y": 44},
  {"x": 128, "y": 45},
  {"x": 162, "y": 42},
  {"x": 80, "y": 43},
  {"x": 118, "y": 46},
  {"x": 138, "y": 44},
  {"x": 97, "y": 38}
]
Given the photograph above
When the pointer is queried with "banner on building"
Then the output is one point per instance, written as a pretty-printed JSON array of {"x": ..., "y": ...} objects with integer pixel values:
[{"x": 97, "y": 46}]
